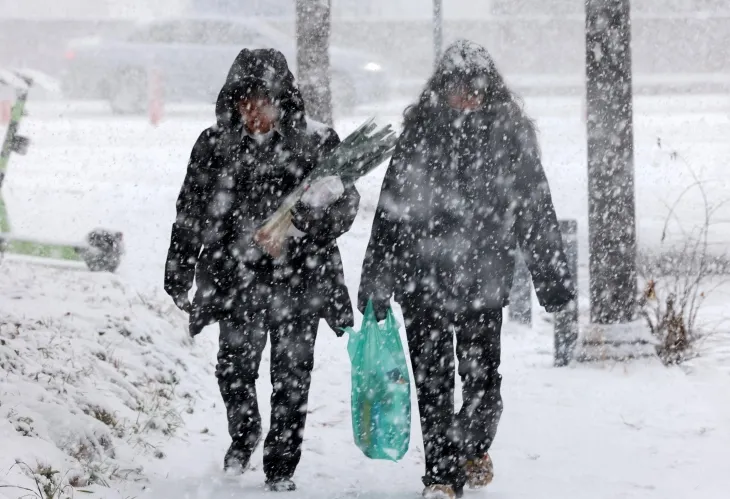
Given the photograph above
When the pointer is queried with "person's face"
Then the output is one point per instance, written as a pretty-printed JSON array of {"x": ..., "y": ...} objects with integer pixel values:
[
  {"x": 464, "y": 100},
  {"x": 259, "y": 114}
]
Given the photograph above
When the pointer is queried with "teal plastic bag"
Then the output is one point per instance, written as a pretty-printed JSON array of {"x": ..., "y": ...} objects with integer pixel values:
[{"x": 381, "y": 388}]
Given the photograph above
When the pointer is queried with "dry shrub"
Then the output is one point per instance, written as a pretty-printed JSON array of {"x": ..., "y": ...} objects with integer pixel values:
[{"x": 678, "y": 278}]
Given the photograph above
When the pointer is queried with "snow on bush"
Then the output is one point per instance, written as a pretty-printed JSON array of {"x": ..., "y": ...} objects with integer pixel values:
[{"x": 93, "y": 379}]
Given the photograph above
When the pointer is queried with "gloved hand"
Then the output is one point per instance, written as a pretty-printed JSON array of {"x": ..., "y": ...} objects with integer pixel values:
[
  {"x": 559, "y": 307},
  {"x": 559, "y": 302},
  {"x": 555, "y": 295},
  {"x": 323, "y": 192},
  {"x": 182, "y": 302},
  {"x": 380, "y": 307}
]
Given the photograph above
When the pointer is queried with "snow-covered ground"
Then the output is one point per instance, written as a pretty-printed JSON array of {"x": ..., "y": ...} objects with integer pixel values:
[
  {"x": 94, "y": 376},
  {"x": 589, "y": 431}
]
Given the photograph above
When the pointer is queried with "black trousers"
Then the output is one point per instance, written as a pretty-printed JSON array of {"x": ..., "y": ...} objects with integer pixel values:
[
  {"x": 450, "y": 439},
  {"x": 292, "y": 359}
]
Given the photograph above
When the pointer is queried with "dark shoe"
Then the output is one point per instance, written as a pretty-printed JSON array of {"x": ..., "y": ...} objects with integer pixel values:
[
  {"x": 284, "y": 485},
  {"x": 238, "y": 456},
  {"x": 479, "y": 472}
]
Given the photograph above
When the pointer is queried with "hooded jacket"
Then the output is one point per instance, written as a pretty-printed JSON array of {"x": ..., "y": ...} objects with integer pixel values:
[
  {"x": 233, "y": 183},
  {"x": 463, "y": 191}
]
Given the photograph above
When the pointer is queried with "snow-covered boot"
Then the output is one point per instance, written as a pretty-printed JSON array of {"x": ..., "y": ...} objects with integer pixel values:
[
  {"x": 283, "y": 485},
  {"x": 479, "y": 472},
  {"x": 439, "y": 492},
  {"x": 239, "y": 455},
  {"x": 236, "y": 460}
]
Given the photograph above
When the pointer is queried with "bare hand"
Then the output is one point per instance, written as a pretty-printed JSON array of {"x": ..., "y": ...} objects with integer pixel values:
[{"x": 270, "y": 245}]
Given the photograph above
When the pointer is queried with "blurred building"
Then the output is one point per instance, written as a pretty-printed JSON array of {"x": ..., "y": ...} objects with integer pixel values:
[{"x": 537, "y": 41}]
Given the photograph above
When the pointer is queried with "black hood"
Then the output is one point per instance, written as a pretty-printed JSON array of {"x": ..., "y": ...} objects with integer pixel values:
[{"x": 256, "y": 72}]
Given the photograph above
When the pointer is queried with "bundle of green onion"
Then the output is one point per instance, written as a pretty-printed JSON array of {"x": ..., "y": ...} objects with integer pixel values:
[{"x": 356, "y": 156}]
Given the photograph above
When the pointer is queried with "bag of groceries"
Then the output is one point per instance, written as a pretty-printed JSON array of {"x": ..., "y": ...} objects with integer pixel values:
[{"x": 381, "y": 388}]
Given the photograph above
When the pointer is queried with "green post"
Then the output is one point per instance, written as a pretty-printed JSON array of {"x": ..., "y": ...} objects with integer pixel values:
[
  {"x": 102, "y": 249},
  {"x": 4, "y": 220},
  {"x": 11, "y": 138}
]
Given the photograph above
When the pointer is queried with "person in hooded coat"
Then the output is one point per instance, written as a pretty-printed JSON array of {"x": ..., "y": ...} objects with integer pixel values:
[
  {"x": 240, "y": 170},
  {"x": 465, "y": 188}
]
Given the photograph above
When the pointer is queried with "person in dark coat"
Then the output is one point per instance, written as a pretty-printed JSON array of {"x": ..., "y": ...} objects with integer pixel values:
[
  {"x": 465, "y": 188},
  {"x": 239, "y": 172}
]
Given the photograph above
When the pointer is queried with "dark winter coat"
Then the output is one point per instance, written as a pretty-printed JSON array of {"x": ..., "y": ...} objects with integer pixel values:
[
  {"x": 462, "y": 192},
  {"x": 233, "y": 184}
]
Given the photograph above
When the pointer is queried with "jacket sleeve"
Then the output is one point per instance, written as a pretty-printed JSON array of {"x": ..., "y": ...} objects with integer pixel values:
[
  {"x": 537, "y": 228},
  {"x": 186, "y": 237},
  {"x": 377, "y": 279},
  {"x": 327, "y": 224}
]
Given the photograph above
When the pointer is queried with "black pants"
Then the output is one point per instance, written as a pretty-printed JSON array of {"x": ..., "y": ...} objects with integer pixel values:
[
  {"x": 292, "y": 359},
  {"x": 451, "y": 439}
]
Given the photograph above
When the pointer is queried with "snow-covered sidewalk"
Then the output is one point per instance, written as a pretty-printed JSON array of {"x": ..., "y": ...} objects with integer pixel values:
[{"x": 599, "y": 431}]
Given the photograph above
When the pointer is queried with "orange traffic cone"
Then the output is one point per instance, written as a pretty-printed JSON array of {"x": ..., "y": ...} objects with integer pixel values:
[
  {"x": 6, "y": 111},
  {"x": 155, "y": 104}
]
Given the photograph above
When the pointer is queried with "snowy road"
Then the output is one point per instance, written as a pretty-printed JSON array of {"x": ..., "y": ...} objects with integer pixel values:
[{"x": 599, "y": 431}]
